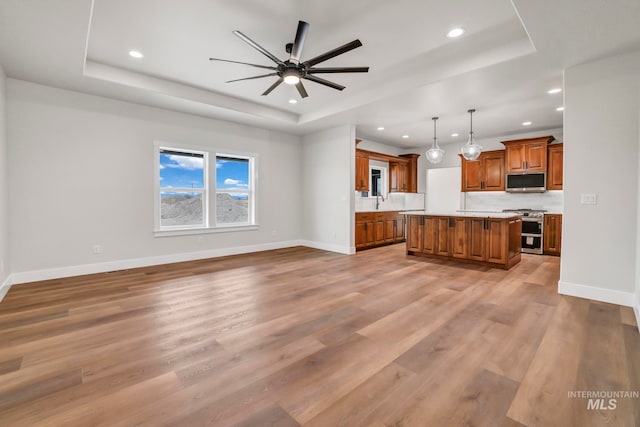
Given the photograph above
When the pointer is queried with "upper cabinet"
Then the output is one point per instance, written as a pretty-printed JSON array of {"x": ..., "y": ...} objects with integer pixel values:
[
  {"x": 362, "y": 171},
  {"x": 555, "y": 168},
  {"x": 403, "y": 171},
  {"x": 527, "y": 155},
  {"x": 485, "y": 174}
]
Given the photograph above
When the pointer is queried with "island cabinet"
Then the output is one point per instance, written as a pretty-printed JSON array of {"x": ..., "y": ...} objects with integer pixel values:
[
  {"x": 555, "y": 157},
  {"x": 378, "y": 228},
  {"x": 527, "y": 155},
  {"x": 552, "y": 234},
  {"x": 484, "y": 174},
  {"x": 471, "y": 239},
  {"x": 362, "y": 171}
]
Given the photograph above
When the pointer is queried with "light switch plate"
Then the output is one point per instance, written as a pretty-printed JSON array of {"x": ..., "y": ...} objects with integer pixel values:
[{"x": 589, "y": 199}]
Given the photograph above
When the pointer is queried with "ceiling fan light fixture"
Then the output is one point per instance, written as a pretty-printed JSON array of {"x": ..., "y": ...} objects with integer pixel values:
[
  {"x": 435, "y": 154},
  {"x": 291, "y": 79},
  {"x": 471, "y": 151}
]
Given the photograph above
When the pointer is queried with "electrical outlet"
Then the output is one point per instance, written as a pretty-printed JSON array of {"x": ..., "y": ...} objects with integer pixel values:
[
  {"x": 97, "y": 249},
  {"x": 589, "y": 199},
  {"x": 273, "y": 232}
]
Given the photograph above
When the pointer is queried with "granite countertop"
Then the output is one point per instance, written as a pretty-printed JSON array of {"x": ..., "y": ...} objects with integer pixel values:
[{"x": 465, "y": 214}]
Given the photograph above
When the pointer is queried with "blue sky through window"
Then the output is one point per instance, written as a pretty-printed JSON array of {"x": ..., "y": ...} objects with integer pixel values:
[
  {"x": 232, "y": 174},
  {"x": 181, "y": 171}
]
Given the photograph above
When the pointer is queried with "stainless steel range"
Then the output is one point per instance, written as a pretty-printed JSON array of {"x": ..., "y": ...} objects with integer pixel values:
[{"x": 532, "y": 229}]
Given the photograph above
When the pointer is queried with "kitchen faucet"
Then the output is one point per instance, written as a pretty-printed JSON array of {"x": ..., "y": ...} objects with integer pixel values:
[{"x": 378, "y": 200}]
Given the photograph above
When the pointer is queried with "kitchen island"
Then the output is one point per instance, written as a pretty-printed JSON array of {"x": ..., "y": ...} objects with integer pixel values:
[{"x": 491, "y": 239}]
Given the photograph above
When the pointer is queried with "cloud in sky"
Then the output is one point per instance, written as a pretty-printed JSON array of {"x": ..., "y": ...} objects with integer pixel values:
[
  {"x": 185, "y": 162},
  {"x": 230, "y": 181}
]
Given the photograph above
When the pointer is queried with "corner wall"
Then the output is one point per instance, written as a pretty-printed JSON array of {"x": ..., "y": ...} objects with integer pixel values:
[
  {"x": 602, "y": 133},
  {"x": 82, "y": 169},
  {"x": 4, "y": 192},
  {"x": 328, "y": 177}
]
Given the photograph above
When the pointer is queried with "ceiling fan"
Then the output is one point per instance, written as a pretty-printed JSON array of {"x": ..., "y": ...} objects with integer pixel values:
[{"x": 293, "y": 70}]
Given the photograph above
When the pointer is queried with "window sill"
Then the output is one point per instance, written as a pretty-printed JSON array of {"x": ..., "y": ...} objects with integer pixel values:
[{"x": 218, "y": 229}]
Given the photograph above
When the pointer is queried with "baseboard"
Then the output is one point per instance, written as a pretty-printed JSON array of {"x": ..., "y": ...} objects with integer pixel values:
[
  {"x": 636, "y": 309},
  {"x": 329, "y": 247},
  {"x": 79, "y": 270},
  {"x": 4, "y": 288},
  {"x": 598, "y": 294}
]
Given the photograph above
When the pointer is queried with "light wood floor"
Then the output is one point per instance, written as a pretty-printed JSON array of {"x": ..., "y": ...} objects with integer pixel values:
[{"x": 305, "y": 337}]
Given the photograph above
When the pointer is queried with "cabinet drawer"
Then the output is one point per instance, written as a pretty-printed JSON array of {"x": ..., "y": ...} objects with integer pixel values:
[{"x": 364, "y": 216}]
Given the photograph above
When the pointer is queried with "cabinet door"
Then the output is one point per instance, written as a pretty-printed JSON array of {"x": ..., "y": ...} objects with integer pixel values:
[
  {"x": 555, "y": 168},
  {"x": 477, "y": 239},
  {"x": 403, "y": 178},
  {"x": 394, "y": 173},
  {"x": 362, "y": 171},
  {"x": 399, "y": 229},
  {"x": 442, "y": 236},
  {"x": 496, "y": 246},
  {"x": 536, "y": 157},
  {"x": 411, "y": 174},
  {"x": 493, "y": 171},
  {"x": 471, "y": 175},
  {"x": 429, "y": 235},
  {"x": 552, "y": 234},
  {"x": 389, "y": 230},
  {"x": 361, "y": 234},
  {"x": 380, "y": 222},
  {"x": 458, "y": 234},
  {"x": 370, "y": 232},
  {"x": 414, "y": 236},
  {"x": 515, "y": 159}
]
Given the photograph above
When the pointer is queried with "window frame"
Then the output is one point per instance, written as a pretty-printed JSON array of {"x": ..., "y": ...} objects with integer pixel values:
[{"x": 210, "y": 224}]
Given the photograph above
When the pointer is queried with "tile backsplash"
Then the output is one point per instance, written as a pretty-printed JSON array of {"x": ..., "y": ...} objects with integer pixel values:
[
  {"x": 392, "y": 202},
  {"x": 552, "y": 201}
]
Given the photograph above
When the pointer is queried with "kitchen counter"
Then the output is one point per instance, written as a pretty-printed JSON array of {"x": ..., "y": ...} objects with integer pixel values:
[
  {"x": 464, "y": 214},
  {"x": 484, "y": 238}
]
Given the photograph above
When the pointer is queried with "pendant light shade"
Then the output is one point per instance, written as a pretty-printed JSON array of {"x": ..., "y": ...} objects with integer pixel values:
[
  {"x": 471, "y": 150},
  {"x": 435, "y": 154}
]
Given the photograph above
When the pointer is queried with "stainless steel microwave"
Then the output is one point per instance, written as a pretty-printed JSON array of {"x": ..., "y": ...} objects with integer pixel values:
[{"x": 526, "y": 183}]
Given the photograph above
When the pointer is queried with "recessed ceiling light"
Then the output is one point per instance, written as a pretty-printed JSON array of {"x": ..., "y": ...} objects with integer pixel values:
[
  {"x": 135, "y": 54},
  {"x": 526, "y": 123},
  {"x": 456, "y": 32},
  {"x": 380, "y": 127},
  {"x": 454, "y": 135},
  {"x": 554, "y": 90},
  {"x": 560, "y": 109},
  {"x": 293, "y": 101},
  {"x": 405, "y": 136}
]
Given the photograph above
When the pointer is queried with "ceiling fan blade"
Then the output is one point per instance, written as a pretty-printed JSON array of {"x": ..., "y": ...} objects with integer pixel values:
[
  {"x": 251, "y": 78},
  {"x": 338, "y": 70},
  {"x": 243, "y": 63},
  {"x": 324, "y": 82},
  {"x": 259, "y": 48},
  {"x": 273, "y": 86},
  {"x": 332, "y": 53},
  {"x": 303, "y": 93},
  {"x": 298, "y": 44}
]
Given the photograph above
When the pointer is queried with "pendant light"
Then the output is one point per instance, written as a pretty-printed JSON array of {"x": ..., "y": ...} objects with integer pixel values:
[
  {"x": 471, "y": 150},
  {"x": 435, "y": 153}
]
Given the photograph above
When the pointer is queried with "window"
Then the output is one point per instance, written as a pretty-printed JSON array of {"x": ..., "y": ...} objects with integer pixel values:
[
  {"x": 378, "y": 180},
  {"x": 193, "y": 197}
]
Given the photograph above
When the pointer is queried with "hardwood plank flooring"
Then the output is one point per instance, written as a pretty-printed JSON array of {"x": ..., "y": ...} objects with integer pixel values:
[{"x": 300, "y": 336}]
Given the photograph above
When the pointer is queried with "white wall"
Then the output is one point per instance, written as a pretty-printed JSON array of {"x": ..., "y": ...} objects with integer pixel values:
[
  {"x": 328, "y": 177},
  {"x": 82, "y": 174},
  {"x": 601, "y": 130},
  {"x": 4, "y": 192}
]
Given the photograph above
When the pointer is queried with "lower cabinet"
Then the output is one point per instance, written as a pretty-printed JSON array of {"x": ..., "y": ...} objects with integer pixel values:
[
  {"x": 485, "y": 241},
  {"x": 378, "y": 228},
  {"x": 552, "y": 234}
]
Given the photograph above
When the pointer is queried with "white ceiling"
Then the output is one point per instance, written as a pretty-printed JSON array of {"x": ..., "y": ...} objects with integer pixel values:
[{"x": 511, "y": 54}]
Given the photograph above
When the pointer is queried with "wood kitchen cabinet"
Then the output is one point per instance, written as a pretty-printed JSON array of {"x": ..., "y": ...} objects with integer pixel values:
[
  {"x": 486, "y": 241},
  {"x": 555, "y": 157},
  {"x": 411, "y": 173},
  {"x": 378, "y": 228},
  {"x": 398, "y": 177},
  {"x": 485, "y": 174},
  {"x": 362, "y": 171},
  {"x": 527, "y": 155},
  {"x": 552, "y": 234}
]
